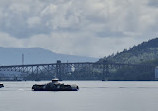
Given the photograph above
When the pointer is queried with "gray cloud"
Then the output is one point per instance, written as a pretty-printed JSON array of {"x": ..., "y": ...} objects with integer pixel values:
[
  {"x": 110, "y": 34},
  {"x": 82, "y": 27},
  {"x": 153, "y": 3}
]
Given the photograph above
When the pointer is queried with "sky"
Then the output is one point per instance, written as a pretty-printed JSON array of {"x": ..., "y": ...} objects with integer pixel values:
[{"x": 94, "y": 28}]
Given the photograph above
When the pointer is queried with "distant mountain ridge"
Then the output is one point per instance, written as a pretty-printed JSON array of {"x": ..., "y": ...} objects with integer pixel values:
[
  {"x": 13, "y": 56},
  {"x": 146, "y": 51}
]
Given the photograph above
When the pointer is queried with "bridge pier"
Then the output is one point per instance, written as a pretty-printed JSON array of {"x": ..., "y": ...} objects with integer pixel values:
[{"x": 58, "y": 70}]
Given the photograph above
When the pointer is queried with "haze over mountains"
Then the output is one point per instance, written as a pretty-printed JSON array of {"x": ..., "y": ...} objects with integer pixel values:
[{"x": 13, "y": 56}]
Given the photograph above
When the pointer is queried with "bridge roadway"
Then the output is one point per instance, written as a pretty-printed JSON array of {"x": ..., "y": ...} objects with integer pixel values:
[{"x": 58, "y": 69}]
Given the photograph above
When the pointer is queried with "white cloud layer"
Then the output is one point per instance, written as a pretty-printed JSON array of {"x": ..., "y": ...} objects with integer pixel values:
[{"x": 85, "y": 27}]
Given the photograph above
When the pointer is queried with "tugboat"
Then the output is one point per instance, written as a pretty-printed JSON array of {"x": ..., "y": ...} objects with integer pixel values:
[
  {"x": 54, "y": 85},
  {"x": 1, "y": 85}
]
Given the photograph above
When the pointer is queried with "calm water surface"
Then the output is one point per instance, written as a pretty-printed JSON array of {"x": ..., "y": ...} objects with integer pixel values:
[{"x": 92, "y": 96}]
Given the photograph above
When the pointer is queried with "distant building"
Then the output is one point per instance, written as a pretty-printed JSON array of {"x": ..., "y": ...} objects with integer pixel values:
[{"x": 156, "y": 73}]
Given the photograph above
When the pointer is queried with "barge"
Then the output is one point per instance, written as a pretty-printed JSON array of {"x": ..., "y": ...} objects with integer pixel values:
[
  {"x": 54, "y": 85},
  {"x": 1, "y": 85}
]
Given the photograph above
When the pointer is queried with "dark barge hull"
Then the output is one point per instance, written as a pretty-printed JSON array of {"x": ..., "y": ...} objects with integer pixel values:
[
  {"x": 48, "y": 88},
  {"x": 1, "y": 85}
]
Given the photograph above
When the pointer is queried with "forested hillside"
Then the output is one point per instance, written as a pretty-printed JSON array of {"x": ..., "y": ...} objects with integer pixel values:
[{"x": 146, "y": 51}]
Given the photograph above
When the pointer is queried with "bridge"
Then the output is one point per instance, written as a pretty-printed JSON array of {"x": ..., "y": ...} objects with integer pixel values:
[{"x": 62, "y": 70}]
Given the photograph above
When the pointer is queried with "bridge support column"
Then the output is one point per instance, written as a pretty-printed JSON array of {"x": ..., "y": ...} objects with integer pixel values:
[{"x": 58, "y": 70}]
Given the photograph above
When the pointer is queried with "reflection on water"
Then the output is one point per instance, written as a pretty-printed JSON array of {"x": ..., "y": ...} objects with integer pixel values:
[{"x": 92, "y": 96}]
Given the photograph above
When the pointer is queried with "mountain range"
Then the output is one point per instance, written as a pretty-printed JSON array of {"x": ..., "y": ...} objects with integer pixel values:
[{"x": 13, "y": 56}]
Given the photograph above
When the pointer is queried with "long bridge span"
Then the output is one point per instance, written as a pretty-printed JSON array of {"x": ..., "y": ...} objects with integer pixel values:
[{"x": 59, "y": 70}]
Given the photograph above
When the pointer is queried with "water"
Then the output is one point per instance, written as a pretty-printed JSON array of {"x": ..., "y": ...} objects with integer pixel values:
[{"x": 92, "y": 96}]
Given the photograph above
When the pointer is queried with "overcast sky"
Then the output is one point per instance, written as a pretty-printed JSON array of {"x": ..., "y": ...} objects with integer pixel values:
[{"x": 93, "y": 28}]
